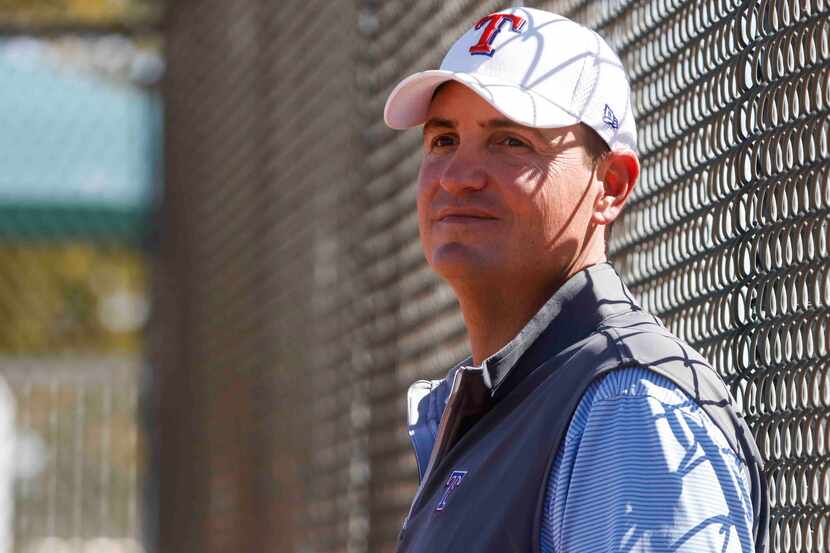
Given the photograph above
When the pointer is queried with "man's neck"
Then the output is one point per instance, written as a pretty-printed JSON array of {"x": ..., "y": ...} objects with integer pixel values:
[
  {"x": 494, "y": 315},
  {"x": 492, "y": 323},
  {"x": 497, "y": 308}
]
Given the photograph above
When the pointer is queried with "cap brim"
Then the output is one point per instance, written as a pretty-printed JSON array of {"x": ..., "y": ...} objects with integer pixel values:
[{"x": 408, "y": 103}]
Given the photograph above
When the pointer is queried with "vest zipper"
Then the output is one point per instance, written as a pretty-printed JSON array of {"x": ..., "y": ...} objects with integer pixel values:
[
  {"x": 469, "y": 397},
  {"x": 451, "y": 406}
]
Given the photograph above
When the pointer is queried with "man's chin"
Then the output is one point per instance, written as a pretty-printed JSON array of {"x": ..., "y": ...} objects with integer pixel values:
[{"x": 456, "y": 261}]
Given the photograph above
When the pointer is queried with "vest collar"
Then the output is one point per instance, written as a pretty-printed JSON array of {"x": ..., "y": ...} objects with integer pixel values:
[{"x": 572, "y": 313}]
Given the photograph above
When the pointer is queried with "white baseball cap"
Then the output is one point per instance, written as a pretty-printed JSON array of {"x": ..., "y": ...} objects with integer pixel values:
[{"x": 537, "y": 68}]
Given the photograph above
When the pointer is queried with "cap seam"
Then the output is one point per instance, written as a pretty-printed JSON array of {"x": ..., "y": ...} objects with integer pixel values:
[
  {"x": 529, "y": 91},
  {"x": 578, "y": 80}
]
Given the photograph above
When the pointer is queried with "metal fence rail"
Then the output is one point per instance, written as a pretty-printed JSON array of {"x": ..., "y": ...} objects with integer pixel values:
[
  {"x": 78, "y": 415},
  {"x": 292, "y": 246}
]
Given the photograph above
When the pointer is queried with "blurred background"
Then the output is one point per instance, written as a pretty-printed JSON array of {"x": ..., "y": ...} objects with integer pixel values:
[
  {"x": 80, "y": 182},
  {"x": 213, "y": 297}
]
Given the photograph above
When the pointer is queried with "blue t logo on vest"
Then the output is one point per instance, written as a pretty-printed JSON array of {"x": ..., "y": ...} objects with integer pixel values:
[{"x": 453, "y": 482}]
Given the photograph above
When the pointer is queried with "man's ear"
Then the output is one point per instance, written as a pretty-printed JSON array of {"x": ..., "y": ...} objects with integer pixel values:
[{"x": 618, "y": 171}]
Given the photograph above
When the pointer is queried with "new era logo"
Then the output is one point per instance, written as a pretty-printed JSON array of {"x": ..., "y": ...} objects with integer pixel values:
[
  {"x": 453, "y": 482},
  {"x": 609, "y": 118}
]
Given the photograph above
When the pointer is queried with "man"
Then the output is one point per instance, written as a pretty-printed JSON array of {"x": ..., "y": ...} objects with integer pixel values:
[{"x": 579, "y": 424}]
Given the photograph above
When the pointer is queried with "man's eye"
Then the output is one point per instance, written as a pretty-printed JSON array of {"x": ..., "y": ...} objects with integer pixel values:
[
  {"x": 442, "y": 141},
  {"x": 512, "y": 141}
]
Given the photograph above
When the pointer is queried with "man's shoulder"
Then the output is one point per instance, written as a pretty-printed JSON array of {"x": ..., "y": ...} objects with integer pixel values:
[
  {"x": 632, "y": 358},
  {"x": 639, "y": 339},
  {"x": 637, "y": 382},
  {"x": 639, "y": 333},
  {"x": 635, "y": 388},
  {"x": 634, "y": 398}
]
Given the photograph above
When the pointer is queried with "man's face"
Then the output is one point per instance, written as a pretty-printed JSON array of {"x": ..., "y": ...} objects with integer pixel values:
[{"x": 500, "y": 201}]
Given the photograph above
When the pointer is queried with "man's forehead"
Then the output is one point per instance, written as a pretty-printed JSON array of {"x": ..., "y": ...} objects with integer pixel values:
[
  {"x": 493, "y": 123},
  {"x": 438, "y": 123},
  {"x": 453, "y": 102}
]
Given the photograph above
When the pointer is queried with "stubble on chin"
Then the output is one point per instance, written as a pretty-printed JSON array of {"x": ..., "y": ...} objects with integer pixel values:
[{"x": 458, "y": 262}]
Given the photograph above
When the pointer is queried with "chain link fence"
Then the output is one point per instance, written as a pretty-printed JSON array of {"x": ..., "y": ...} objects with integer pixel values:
[
  {"x": 294, "y": 305},
  {"x": 726, "y": 238}
]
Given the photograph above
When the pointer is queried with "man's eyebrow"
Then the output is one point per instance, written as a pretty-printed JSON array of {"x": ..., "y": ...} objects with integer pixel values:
[
  {"x": 498, "y": 123},
  {"x": 508, "y": 124},
  {"x": 440, "y": 123}
]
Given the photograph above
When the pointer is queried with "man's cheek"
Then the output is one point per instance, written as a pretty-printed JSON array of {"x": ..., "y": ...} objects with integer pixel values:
[{"x": 424, "y": 234}]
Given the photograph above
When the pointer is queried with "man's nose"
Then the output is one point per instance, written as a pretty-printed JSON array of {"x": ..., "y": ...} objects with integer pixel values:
[{"x": 463, "y": 174}]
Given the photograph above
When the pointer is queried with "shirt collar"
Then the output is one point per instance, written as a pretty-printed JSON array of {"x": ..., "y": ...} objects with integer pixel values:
[{"x": 571, "y": 313}]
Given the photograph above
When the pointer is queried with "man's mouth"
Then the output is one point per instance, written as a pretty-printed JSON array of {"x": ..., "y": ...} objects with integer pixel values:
[{"x": 466, "y": 215}]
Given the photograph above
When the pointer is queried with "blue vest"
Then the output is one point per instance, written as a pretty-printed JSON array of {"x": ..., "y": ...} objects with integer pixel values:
[{"x": 497, "y": 427}]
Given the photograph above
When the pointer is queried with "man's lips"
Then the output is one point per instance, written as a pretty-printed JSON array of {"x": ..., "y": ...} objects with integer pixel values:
[{"x": 459, "y": 215}]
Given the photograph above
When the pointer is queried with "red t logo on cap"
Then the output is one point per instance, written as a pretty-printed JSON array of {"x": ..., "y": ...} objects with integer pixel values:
[{"x": 494, "y": 23}]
